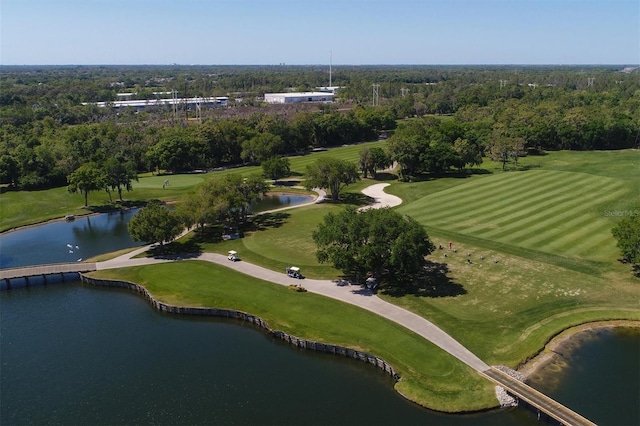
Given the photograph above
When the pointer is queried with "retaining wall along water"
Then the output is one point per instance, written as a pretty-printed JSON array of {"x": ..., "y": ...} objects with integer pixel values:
[{"x": 253, "y": 319}]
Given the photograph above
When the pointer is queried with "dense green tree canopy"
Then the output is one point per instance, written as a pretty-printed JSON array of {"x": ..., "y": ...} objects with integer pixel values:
[
  {"x": 48, "y": 132},
  {"x": 87, "y": 178},
  {"x": 627, "y": 232},
  {"x": 154, "y": 224},
  {"x": 228, "y": 199},
  {"x": 378, "y": 242},
  {"x": 332, "y": 174},
  {"x": 276, "y": 168}
]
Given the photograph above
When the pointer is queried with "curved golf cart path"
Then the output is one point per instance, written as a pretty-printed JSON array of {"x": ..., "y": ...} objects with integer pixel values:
[{"x": 355, "y": 295}]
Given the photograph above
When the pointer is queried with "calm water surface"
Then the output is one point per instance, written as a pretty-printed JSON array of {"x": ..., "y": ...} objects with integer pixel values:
[
  {"x": 598, "y": 375},
  {"x": 274, "y": 201},
  {"x": 76, "y": 355},
  {"x": 58, "y": 242},
  {"x": 81, "y": 355}
]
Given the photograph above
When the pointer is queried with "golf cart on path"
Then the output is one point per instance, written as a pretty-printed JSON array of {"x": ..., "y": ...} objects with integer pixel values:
[
  {"x": 233, "y": 256},
  {"x": 294, "y": 272}
]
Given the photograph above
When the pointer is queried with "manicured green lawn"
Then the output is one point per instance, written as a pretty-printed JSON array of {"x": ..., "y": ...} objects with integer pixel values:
[
  {"x": 288, "y": 242},
  {"x": 28, "y": 207},
  {"x": 565, "y": 273},
  {"x": 543, "y": 259},
  {"x": 429, "y": 375},
  {"x": 545, "y": 210}
]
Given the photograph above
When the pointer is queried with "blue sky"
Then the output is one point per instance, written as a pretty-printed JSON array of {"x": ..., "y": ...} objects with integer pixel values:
[{"x": 306, "y": 31}]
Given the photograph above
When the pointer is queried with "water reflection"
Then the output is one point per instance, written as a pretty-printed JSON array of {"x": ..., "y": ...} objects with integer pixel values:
[
  {"x": 275, "y": 201},
  {"x": 109, "y": 358},
  {"x": 57, "y": 242}
]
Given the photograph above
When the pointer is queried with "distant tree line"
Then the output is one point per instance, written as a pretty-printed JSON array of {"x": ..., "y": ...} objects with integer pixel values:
[{"x": 501, "y": 112}]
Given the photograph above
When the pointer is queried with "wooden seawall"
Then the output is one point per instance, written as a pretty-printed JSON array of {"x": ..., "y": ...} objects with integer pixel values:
[{"x": 253, "y": 319}]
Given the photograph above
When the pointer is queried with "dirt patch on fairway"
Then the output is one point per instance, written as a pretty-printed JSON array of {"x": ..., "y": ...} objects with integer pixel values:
[{"x": 553, "y": 349}]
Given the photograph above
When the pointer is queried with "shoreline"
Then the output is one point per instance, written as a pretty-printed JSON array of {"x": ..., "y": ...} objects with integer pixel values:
[
  {"x": 550, "y": 352},
  {"x": 62, "y": 219}
]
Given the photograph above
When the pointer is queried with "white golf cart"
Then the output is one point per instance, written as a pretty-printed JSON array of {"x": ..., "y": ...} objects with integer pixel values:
[
  {"x": 294, "y": 272},
  {"x": 371, "y": 283},
  {"x": 233, "y": 256}
]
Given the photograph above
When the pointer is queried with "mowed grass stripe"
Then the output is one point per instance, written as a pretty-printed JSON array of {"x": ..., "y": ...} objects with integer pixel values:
[
  {"x": 543, "y": 210},
  {"x": 591, "y": 238},
  {"x": 559, "y": 229},
  {"x": 487, "y": 192},
  {"x": 536, "y": 215},
  {"x": 505, "y": 204},
  {"x": 487, "y": 201},
  {"x": 539, "y": 227},
  {"x": 519, "y": 208}
]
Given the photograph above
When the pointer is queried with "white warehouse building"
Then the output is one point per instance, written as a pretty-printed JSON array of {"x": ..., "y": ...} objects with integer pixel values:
[{"x": 292, "y": 98}]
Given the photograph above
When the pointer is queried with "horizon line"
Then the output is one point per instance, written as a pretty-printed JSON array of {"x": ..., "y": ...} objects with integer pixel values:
[{"x": 322, "y": 64}]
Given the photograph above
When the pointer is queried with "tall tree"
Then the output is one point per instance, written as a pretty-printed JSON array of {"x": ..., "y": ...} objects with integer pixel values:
[
  {"x": 332, "y": 174},
  {"x": 154, "y": 224},
  {"x": 379, "y": 159},
  {"x": 88, "y": 177},
  {"x": 366, "y": 162},
  {"x": 469, "y": 153},
  {"x": 504, "y": 146},
  {"x": 120, "y": 174},
  {"x": 276, "y": 168},
  {"x": 627, "y": 232},
  {"x": 378, "y": 242}
]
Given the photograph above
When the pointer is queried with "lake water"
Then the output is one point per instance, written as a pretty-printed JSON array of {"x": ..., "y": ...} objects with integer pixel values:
[
  {"x": 74, "y": 354},
  {"x": 598, "y": 375},
  {"x": 275, "y": 201},
  {"x": 58, "y": 242}
]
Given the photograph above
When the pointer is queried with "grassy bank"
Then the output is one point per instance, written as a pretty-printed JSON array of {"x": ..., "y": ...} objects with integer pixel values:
[
  {"x": 517, "y": 292},
  {"x": 20, "y": 208},
  {"x": 542, "y": 260},
  {"x": 430, "y": 376}
]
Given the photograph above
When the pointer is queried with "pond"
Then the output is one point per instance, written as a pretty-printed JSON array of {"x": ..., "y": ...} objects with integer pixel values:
[
  {"x": 73, "y": 354},
  {"x": 86, "y": 363},
  {"x": 279, "y": 200},
  {"x": 60, "y": 241}
]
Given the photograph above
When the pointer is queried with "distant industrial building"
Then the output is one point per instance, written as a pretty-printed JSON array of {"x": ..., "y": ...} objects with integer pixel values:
[
  {"x": 299, "y": 97},
  {"x": 330, "y": 89},
  {"x": 138, "y": 104}
]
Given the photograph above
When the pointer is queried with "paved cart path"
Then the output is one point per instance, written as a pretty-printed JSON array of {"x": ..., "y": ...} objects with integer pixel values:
[{"x": 354, "y": 294}]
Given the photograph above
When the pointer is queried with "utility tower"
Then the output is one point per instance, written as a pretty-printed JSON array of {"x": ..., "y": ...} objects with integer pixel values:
[
  {"x": 330, "y": 60},
  {"x": 174, "y": 101},
  {"x": 590, "y": 81},
  {"x": 503, "y": 83},
  {"x": 404, "y": 91},
  {"x": 376, "y": 95},
  {"x": 199, "y": 102}
]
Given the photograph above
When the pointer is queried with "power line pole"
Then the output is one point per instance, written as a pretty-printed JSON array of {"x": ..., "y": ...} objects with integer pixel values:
[
  {"x": 174, "y": 100},
  {"x": 376, "y": 95}
]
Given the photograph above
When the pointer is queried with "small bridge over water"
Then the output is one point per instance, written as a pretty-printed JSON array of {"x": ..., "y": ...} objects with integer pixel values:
[
  {"x": 537, "y": 399},
  {"x": 43, "y": 271}
]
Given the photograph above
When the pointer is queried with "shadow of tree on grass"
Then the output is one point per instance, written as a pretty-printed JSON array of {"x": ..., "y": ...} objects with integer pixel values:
[
  {"x": 176, "y": 250},
  {"x": 385, "y": 176},
  {"x": 265, "y": 221},
  {"x": 355, "y": 199},
  {"x": 433, "y": 281}
]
